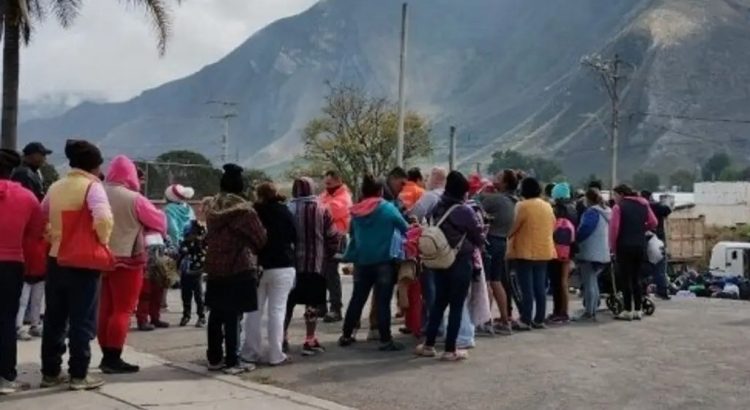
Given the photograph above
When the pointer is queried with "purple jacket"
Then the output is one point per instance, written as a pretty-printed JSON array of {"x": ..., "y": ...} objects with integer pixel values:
[{"x": 462, "y": 221}]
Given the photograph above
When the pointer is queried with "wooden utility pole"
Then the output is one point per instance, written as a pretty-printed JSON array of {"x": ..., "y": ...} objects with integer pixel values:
[
  {"x": 610, "y": 74},
  {"x": 401, "y": 87},
  {"x": 452, "y": 153}
]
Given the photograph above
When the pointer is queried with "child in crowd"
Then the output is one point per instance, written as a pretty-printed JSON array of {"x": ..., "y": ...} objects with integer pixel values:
[{"x": 192, "y": 256}]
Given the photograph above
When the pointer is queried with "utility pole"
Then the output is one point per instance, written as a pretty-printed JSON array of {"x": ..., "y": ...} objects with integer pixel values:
[
  {"x": 401, "y": 87},
  {"x": 452, "y": 155},
  {"x": 227, "y": 115},
  {"x": 609, "y": 72},
  {"x": 479, "y": 169}
]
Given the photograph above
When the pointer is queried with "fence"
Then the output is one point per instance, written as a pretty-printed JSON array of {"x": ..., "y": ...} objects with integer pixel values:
[{"x": 204, "y": 179}]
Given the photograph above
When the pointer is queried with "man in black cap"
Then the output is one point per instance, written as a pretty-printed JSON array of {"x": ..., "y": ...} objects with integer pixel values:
[{"x": 28, "y": 174}]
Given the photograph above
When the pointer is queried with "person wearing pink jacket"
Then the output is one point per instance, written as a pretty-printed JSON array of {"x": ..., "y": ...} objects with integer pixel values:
[
  {"x": 632, "y": 217},
  {"x": 133, "y": 214}
]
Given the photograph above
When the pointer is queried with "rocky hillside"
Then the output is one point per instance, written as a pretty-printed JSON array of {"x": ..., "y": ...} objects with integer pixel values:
[{"x": 505, "y": 72}]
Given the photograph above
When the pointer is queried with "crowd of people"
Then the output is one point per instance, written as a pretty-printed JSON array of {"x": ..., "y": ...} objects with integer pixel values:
[{"x": 97, "y": 251}]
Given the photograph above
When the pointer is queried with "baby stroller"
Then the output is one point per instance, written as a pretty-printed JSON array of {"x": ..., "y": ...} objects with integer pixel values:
[{"x": 615, "y": 302}]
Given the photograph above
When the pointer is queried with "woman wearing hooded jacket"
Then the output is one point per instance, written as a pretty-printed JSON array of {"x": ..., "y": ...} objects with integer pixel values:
[
  {"x": 593, "y": 250},
  {"x": 234, "y": 237},
  {"x": 133, "y": 214}
]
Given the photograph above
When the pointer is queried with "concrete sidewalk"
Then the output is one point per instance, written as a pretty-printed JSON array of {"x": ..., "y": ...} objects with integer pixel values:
[{"x": 158, "y": 384}]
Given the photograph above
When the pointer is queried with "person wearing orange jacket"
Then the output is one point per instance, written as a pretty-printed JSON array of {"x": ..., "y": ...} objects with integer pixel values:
[
  {"x": 337, "y": 198},
  {"x": 413, "y": 189}
]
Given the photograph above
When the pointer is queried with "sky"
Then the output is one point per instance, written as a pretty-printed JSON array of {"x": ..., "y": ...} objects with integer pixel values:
[{"x": 110, "y": 51}]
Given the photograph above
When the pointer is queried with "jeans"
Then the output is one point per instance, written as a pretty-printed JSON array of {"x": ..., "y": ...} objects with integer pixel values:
[
  {"x": 191, "y": 288},
  {"x": 630, "y": 261},
  {"x": 11, "y": 283},
  {"x": 72, "y": 296},
  {"x": 32, "y": 296},
  {"x": 467, "y": 330},
  {"x": 273, "y": 289},
  {"x": 452, "y": 287},
  {"x": 223, "y": 329},
  {"x": 532, "y": 279},
  {"x": 119, "y": 296},
  {"x": 383, "y": 278},
  {"x": 590, "y": 272},
  {"x": 660, "y": 277},
  {"x": 333, "y": 283}
]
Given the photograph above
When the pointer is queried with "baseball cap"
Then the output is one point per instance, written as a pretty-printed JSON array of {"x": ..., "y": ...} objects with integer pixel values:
[{"x": 36, "y": 148}]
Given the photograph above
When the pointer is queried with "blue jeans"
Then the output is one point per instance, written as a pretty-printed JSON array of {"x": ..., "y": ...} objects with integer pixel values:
[
  {"x": 72, "y": 299},
  {"x": 590, "y": 272},
  {"x": 467, "y": 329},
  {"x": 383, "y": 278},
  {"x": 660, "y": 277},
  {"x": 532, "y": 279},
  {"x": 452, "y": 286}
]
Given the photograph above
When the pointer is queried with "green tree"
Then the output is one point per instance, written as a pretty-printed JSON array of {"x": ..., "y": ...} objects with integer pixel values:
[
  {"x": 356, "y": 133},
  {"x": 180, "y": 167},
  {"x": 543, "y": 169},
  {"x": 49, "y": 175},
  {"x": 253, "y": 178},
  {"x": 714, "y": 166},
  {"x": 19, "y": 18},
  {"x": 682, "y": 179},
  {"x": 645, "y": 180},
  {"x": 731, "y": 174}
]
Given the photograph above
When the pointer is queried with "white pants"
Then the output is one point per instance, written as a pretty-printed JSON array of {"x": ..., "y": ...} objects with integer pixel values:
[
  {"x": 32, "y": 296},
  {"x": 273, "y": 289}
]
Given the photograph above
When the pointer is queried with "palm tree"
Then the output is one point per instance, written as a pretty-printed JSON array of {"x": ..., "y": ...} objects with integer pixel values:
[{"x": 17, "y": 20}]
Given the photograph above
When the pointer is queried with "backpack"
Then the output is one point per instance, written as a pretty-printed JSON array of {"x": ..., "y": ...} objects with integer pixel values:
[
  {"x": 564, "y": 237},
  {"x": 434, "y": 249}
]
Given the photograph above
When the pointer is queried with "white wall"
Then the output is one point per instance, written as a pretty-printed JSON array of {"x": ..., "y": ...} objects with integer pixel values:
[{"x": 723, "y": 203}]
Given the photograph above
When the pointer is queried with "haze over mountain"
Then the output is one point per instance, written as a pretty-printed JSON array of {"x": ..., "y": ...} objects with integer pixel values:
[{"x": 506, "y": 72}]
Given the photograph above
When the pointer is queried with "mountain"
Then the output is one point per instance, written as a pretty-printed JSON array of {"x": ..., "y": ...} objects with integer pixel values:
[{"x": 507, "y": 73}]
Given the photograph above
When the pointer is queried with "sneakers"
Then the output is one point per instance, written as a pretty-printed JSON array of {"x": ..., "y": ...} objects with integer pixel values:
[
  {"x": 558, "y": 319},
  {"x": 201, "y": 322},
  {"x": 10, "y": 387},
  {"x": 456, "y": 356},
  {"x": 53, "y": 381},
  {"x": 346, "y": 341},
  {"x": 312, "y": 347},
  {"x": 35, "y": 331},
  {"x": 145, "y": 327},
  {"x": 238, "y": 369},
  {"x": 637, "y": 315},
  {"x": 115, "y": 365},
  {"x": 184, "y": 321},
  {"x": 391, "y": 346},
  {"x": 538, "y": 326},
  {"x": 160, "y": 324},
  {"x": 521, "y": 326},
  {"x": 486, "y": 329},
  {"x": 215, "y": 367},
  {"x": 425, "y": 351},
  {"x": 503, "y": 329},
  {"x": 333, "y": 317},
  {"x": 584, "y": 316},
  {"x": 23, "y": 334},
  {"x": 624, "y": 315},
  {"x": 87, "y": 383}
]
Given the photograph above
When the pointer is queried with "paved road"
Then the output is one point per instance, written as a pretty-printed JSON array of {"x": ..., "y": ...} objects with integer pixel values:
[{"x": 693, "y": 354}]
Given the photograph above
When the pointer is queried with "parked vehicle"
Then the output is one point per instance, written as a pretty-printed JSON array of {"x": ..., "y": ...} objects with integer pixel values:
[{"x": 730, "y": 259}]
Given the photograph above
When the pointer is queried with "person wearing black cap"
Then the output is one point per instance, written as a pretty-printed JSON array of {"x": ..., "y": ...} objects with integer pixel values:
[
  {"x": 28, "y": 174},
  {"x": 22, "y": 221},
  {"x": 235, "y": 236}
]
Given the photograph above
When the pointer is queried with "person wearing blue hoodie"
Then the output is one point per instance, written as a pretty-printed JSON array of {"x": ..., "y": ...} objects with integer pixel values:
[
  {"x": 593, "y": 250},
  {"x": 179, "y": 213},
  {"x": 374, "y": 222}
]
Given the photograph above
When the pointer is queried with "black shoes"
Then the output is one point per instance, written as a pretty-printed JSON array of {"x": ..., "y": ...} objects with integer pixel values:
[{"x": 112, "y": 363}]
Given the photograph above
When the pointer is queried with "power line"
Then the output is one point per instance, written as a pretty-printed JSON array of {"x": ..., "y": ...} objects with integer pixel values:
[{"x": 691, "y": 118}]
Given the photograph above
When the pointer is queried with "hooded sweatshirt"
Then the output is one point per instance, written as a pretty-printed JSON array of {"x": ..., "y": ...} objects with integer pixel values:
[
  {"x": 179, "y": 216},
  {"x": 338, "y": 204},
  {"x": 21, "y": 218},
  {"x": 317, "y": 238},
  {"x": 374, "y": 221},
  {"x": 133, "y": 214},
  {"x": 593, "y": 235},
  {"x": 235, "y": 236},
  {"x": 631, "y": 219}
]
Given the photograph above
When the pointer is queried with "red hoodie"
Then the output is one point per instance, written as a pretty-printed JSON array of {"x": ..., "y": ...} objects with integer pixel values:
[{"x": 21, "y": 218}]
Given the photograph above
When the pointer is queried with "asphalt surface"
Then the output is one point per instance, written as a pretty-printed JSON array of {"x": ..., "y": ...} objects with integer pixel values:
[{"x": 692, "y": 354}]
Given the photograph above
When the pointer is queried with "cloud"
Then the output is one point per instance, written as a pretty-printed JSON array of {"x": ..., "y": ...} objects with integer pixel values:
[{"x": 110, "y": 51}]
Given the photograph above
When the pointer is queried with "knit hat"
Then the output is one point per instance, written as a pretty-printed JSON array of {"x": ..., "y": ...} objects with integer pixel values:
[
  {"x": 561, "y": 191},
  {"x": 456, "y": 186},
  {"x": 178, "y": 193},
  {"x": 9, "y": 159},
  {"x": 83, "y": 155},
  {"x": 231, "y": 180}
]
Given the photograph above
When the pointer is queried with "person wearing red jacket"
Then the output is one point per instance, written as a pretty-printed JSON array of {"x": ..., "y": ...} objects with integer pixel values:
[
  {"x": 22, "y": 221},
  {"x": 337, "y": 199},
  {"x": 133, "y": 214}
]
